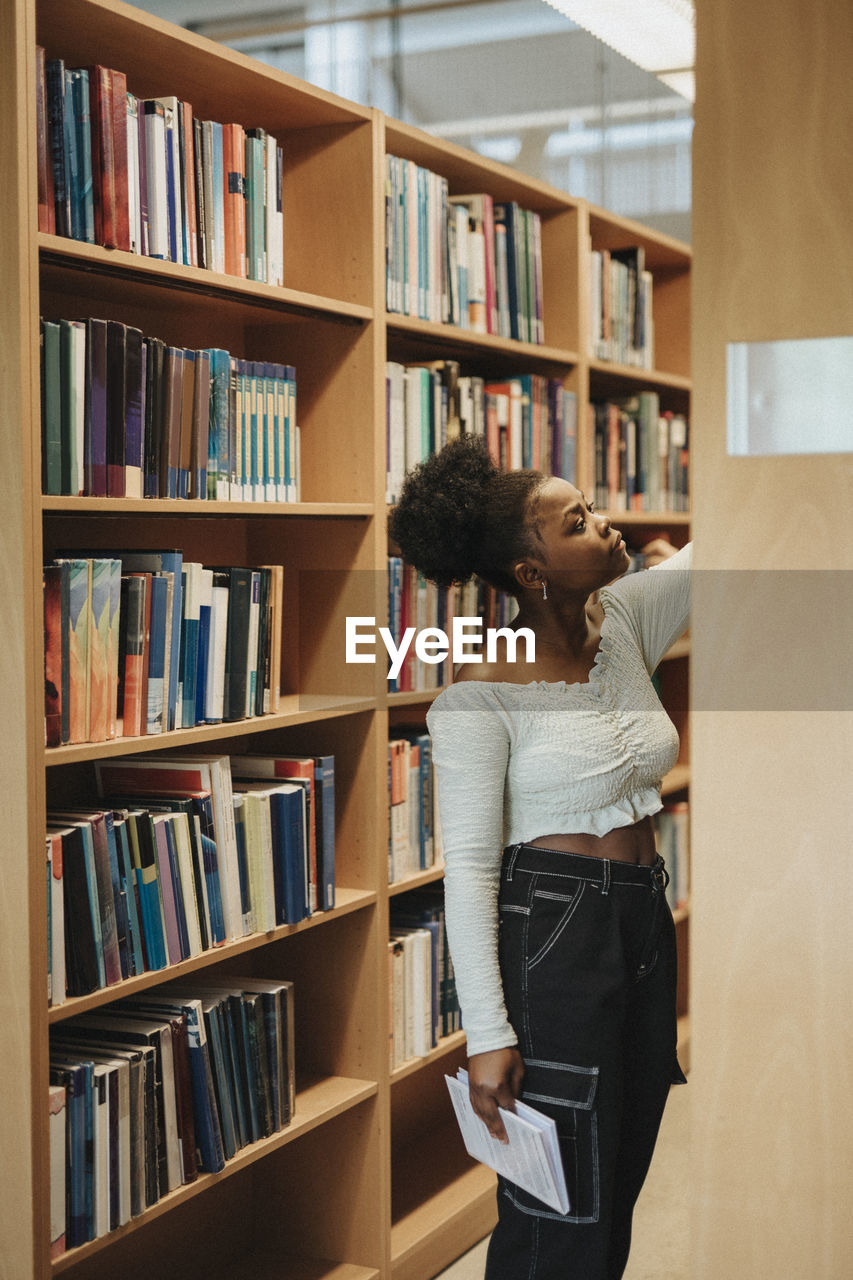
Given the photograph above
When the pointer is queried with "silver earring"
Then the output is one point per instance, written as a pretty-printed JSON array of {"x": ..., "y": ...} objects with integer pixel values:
[{"x": 544, "y": 589}]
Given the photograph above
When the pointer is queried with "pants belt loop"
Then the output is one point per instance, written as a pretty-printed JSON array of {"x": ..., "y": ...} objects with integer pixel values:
[
  {"x": 605, "y": 884},
  {"x": 510, "y": 866}
]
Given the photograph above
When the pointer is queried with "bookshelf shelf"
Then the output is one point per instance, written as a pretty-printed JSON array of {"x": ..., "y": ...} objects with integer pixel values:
[
  {"x": 430, "y": 876},
  {"x": 445, "y": 1206},
  {"x": 297, "y": 709},
  {"x": 634, "y": 377},
  {"x": 468, "y": 341},
  {"x": 61, "y": 254},
  {"x": 346, "y": 901},
  {"x": 317, "y": 1102},
  {"x": 267, "y": 1266},
  {"x": 201, "y": 507},
  {"x": 445, "y": 1046},
  {"x": 362, "y": 1138}
]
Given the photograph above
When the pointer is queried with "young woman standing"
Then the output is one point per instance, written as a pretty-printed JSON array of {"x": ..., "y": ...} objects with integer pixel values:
[{"x": 548, "y": 773}]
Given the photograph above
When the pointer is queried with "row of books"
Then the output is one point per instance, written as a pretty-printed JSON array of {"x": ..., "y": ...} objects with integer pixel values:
[
  {"x": 527, "y": 420},
  {"x": 641, "y": 456},
  {"x": 146, "y": 176},
  {"x": 621, "y": 319},
  {"x": 424, "y": 1006},
  {"x": 672, "y": 831},
  {"x": 124, "y": 415},
  {"x": 159, "y": 1087},
  {"x": 141, "y": 642},
  {"x": 461, "y": 259},
  {"x": 414, "y": 838},
  {"x": 415, "y": 602},
  {"x": 180, "y": 854},
  {"x": 622, "y": 324}
]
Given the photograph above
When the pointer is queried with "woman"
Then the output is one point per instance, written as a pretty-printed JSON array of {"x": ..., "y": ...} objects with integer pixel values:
[{"x": 548, "y": 773}]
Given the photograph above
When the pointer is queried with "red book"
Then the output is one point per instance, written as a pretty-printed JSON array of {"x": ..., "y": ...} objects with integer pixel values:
[
  {"x": 47, "y": 212},
  {"x": 121, "y": 199},
  {"x": 234, "y": 165},
  {"x": 134, "y": 709},
  {"x": 103, "y": 154}
]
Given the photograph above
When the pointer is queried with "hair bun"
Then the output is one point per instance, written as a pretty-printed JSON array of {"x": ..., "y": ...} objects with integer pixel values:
[{"x": 438, "y": 522}]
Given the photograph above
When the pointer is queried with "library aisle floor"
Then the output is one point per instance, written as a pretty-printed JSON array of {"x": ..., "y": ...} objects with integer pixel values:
[{"x": 661, "y": 1242}]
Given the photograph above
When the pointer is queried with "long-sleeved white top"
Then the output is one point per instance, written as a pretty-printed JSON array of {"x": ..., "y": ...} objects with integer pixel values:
[{"x": 517, "y": 761}]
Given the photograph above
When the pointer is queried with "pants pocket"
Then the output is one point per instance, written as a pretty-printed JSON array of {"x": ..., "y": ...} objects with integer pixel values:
[
  {"x": 567, "y": 1094},
  {"x": 550, "y": 915}
]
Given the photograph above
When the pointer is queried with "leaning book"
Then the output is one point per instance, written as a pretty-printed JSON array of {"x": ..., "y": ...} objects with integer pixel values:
[{"x": 531, "y": 1157}]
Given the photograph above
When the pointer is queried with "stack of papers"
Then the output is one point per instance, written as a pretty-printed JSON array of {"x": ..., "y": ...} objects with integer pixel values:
[{"x": 531, "y": 1159}]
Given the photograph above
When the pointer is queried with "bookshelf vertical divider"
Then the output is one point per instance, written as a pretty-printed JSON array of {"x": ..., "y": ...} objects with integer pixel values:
[{"x": 365, "y": 1183}]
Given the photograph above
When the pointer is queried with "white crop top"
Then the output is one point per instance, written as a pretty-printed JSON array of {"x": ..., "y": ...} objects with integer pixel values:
[{"x": 517, "y": 761}]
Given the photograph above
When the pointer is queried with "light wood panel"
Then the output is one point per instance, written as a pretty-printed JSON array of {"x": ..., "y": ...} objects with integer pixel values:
[{"x": 771, "y": 802}]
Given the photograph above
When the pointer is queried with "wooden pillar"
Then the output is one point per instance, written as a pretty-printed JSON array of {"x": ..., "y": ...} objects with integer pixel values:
[{"x": 771, "y": 794}]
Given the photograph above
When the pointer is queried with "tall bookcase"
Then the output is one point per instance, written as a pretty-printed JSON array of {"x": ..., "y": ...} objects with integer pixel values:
[{"x": 368, "y": 1180}]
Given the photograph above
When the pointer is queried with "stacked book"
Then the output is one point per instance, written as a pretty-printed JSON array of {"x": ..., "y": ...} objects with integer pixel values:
[
  {"x": 641, "y": 455},
  {"x": 622, "y": 327},
  {"x": 424, "y": 1004},
  {"x": 528, "y": 420},
  {"x": 415, "y": 602},
  {"x": 180, "y": 854},
  {"x": 461, "y": 259},
  {"x": 146, "y": 176},
  {"x": 148, "y": 1093},
  {"x": 125, "y": 415},
  {"x": 141, "y": 642}
]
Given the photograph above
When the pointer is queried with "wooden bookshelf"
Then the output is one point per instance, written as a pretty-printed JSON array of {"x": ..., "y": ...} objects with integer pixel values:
[{"x": 363, "y": 1185}]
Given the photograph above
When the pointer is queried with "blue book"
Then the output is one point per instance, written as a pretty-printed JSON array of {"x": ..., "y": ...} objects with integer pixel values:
[
  {"x": 219, "y": 464},
  {"x": 128, "y": 890},
  {"x": 71, "y": 143},
  {"x": 148, "y": 885},
  {"x": 395, "y": 601},
  {"x": 203, "y": 809},
  {"x": 175, "y": 252},
  {"x": 293, "y": 850},
  {"x": 324, "y": 818},
  {"x": 66, "y": 1069},
  {"x": 82, "y": 193},
  {"x": 158, "y": 644},
  {"x": 507, "y": 215},
  {"x": 189, "y": 644},
  {"x": 213, "y": 1022},
  {"x": 203, "y": 661},
  {"x": 208, "y": 1131}
]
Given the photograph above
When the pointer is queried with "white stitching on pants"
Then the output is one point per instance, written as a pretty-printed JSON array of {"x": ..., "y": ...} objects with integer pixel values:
[{"x": 559, "y": 931}]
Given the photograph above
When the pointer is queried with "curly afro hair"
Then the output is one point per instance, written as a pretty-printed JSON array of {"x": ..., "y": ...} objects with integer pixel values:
[{"x": 459, "y": 515}]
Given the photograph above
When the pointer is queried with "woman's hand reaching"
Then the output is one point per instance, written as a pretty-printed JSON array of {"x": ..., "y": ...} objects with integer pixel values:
[{"x": 494, "y": 1080}]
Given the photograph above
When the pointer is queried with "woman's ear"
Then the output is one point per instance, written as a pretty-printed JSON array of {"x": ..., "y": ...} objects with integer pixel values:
[{"x": 527, "y": 575}]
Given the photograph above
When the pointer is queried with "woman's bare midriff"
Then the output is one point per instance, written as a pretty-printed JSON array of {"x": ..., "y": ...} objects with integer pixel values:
[{"x": 624, "y": 844}]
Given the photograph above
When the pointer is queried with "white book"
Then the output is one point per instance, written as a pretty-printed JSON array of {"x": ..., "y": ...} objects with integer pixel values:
[
  {"x": 155, "y": 168},
  {"x": 274, "y": 212},
  {"x": 134, "y": 209},
  {"x": 214, "y": 701},
  {"x": 396, "y": 461},
  {"x": 530, "y": 1159},
  {"x": 56, "y": 992},
  {"x": 259, "y": 851}
]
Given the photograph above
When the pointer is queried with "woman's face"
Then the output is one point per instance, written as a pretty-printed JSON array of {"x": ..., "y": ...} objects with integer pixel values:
[{"x": 579, "y": 549}]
